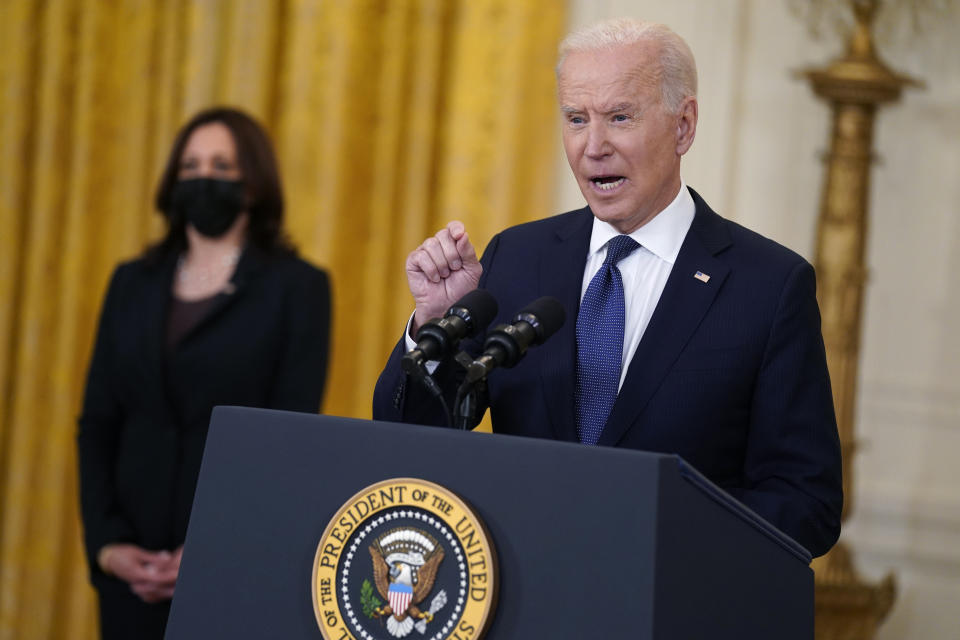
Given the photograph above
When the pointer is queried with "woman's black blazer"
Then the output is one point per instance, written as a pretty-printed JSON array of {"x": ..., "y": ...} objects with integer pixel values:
[{"x": 146, "y": 410}]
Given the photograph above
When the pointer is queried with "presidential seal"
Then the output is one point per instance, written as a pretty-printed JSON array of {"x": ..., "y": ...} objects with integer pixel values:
[{"x": 404, "y": 558}]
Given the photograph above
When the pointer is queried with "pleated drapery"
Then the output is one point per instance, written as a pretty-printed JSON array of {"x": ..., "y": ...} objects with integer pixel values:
[{"x": 390, "y": 118}]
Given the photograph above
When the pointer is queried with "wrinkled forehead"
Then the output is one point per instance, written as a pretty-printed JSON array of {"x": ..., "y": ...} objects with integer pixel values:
[{"x": 612, "y": 73}]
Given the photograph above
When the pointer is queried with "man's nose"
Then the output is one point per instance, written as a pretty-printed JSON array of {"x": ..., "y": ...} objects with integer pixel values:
[{"x": 598, "y": 144}]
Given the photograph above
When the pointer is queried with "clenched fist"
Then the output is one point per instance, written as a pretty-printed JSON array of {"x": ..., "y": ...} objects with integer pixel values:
[{"x": 440, "y": 271}]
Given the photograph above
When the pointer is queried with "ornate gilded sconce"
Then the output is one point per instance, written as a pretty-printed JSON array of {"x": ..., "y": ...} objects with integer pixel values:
[{"x": 855, "y": 85}]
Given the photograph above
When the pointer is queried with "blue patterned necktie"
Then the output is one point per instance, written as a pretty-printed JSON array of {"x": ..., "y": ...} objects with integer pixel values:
[{"x": 600, "y": 325}]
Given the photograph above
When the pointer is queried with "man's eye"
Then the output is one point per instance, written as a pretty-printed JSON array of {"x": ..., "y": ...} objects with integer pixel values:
[
  {"x": 576, "y": 120},
  {"x": 620, "y": 117}
]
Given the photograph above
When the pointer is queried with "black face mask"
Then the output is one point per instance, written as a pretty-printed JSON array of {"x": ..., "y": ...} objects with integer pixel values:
[{"x": 210, "y": 205}]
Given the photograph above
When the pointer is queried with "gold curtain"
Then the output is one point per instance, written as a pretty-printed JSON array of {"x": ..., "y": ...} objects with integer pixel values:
[{"x": 390, "y": 118}]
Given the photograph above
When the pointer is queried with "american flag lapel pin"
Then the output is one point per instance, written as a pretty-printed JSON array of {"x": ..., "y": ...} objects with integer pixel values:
[{"x": 701, "y": 276}]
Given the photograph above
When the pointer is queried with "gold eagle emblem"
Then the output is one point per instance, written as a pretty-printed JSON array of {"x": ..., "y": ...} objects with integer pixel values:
[{"x": 405, "y": 564}]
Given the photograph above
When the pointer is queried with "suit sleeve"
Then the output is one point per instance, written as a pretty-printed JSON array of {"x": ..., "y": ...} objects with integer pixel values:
[
  {"x": 399, "y": 399},
  {"x": 100, "y": 424},
  {"x": 300, "y": 377},
  {"x": 792, "y": 464}
]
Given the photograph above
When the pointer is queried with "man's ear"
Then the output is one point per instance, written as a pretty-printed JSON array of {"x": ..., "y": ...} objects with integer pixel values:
[{"x": 686, "y": 125}]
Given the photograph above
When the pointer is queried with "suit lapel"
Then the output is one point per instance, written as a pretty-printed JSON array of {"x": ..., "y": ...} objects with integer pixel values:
[
  {"x": 154, "y": 315},
  {"x": 683, "y": 303},
  {"x": 561, "y": 276}
]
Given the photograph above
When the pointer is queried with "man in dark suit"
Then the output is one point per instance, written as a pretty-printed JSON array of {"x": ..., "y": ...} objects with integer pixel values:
[{"x": 686, "y": 333}]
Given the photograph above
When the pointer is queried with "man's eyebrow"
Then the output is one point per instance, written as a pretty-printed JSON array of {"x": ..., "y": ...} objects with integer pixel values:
[{"x": 620, "y": 106}]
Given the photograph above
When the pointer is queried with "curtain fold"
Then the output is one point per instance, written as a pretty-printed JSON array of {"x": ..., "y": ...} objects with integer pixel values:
[{"x": 390, "y": 118}]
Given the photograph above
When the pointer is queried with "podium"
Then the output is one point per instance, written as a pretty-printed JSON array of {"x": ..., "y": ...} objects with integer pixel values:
[{"x": 593, "y": 542}]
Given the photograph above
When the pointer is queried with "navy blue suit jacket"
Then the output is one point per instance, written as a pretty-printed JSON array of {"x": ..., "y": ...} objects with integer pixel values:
[{"x": 730, "y": 374}]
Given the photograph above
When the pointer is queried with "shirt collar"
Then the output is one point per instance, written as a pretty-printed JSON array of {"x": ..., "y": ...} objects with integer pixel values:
[{"x": 662, "y": 235}]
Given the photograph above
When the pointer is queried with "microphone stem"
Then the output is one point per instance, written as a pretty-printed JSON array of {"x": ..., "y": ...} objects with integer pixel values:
[
  {"x": 467, "y": 404},
  {"x": 419, "y": 372}
]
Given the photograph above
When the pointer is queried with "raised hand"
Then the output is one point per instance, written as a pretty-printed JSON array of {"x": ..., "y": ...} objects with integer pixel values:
[{"x": 440, "y": 271}]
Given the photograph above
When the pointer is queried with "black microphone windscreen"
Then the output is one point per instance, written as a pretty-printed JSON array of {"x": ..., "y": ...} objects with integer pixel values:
[
  {"x": 549, "y": 313},
  {"x": 482, "y": 307}
]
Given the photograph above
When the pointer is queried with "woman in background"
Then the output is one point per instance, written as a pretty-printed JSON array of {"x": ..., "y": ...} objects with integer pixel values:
[{"x": 220, "y": 312}]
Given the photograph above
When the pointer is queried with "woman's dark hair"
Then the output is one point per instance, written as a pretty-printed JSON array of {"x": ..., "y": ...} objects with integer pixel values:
[{"x": 261, "y": 180}]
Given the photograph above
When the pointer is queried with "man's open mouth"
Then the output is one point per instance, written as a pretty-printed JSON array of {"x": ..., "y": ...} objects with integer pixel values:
[{"x": 606, "y": 183}]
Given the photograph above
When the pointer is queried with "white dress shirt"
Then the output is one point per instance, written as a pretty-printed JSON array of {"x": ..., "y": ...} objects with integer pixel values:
[{"x": 644, "y": 272}]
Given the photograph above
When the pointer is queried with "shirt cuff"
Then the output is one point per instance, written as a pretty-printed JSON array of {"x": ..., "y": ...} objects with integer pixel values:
[{"x": 411, "y": 345}]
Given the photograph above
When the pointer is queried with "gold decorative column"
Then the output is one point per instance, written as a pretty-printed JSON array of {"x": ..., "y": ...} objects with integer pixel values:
[{"x": 855, "y": 85}]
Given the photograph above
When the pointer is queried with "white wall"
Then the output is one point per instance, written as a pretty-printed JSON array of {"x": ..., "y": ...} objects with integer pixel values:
[{"x": 756, "y": 160}]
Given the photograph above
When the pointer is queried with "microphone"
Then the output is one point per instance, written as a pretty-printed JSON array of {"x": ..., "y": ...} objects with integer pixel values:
[
  {"x": 506, "y": 344},
  {"x": 439, "y": 336}
]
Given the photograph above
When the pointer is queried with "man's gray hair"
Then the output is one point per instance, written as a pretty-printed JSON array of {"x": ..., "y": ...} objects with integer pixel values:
[{"x": 678, "y": 69}]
